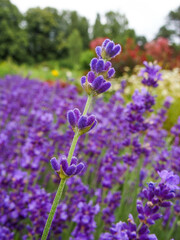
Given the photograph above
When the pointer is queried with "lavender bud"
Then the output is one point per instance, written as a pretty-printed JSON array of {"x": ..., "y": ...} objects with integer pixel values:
[
  {"x": 166, "y": 204},
  {"x": 64, "y": 164},
  {"x": 79, "y": 168},
  {"x": 116, "y": 50},
  {"x": 82, "y": 123},
  {"x": 90, "y": 120},
  {"x": 55, "y": 165},
  {"x": 71, "y": 118},
  {"x": 141, "y": 217},
  {"x": 169, "y": 195},
  {"x": 104, "y": 44},
  {"x": 111, "y": 73},
  {"x": 156, "y": 216},
  {"x": 104, "y": 87},
  {"x": 77, "y": 114},
  {"x": 140, "y": 209},
  {"x": 98, "y": 51},
  {"x": 74, "y": 160},
  {"x": 100, "y": 66},
  {"x": 97, "y": 82},
  {"x": 83, "y": 80},
  {"x": 109, "y": 48},
  {"x": 150, "y": 221},
  {"x": 94, "y": 124},
  {"x": 107, "y": 65},
  {"x": 93, "y": 64},
  {"x": 71, "y": 170},
  {"x": 90, "y": 77}
]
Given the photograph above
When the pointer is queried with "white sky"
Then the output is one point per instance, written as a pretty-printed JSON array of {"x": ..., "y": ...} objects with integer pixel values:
[{"x": 145, "y": 16}]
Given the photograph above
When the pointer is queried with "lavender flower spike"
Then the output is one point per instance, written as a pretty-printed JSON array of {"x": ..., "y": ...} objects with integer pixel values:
[
  {"x": 65, "y": 170},
  {"x": 101, "y": 69},
  {"x": 80, "y": 124},
  {"x": 108, "y": 50},
  {"x": 55, "y": 164}
]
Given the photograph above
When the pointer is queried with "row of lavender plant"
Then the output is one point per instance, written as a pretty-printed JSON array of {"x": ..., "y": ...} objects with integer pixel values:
[{"x": 128, "y": 164}]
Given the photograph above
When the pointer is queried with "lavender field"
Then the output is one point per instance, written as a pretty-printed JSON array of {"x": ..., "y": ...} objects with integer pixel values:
[{"x": 119, "y": 177}]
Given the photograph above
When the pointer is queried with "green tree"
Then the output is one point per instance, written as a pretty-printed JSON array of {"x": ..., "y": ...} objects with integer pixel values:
[
  {"x": 171, "y": 30},
  {"x": 174, "y": 19},
  {"x": 13, "y": 38},
  {"x": 43, "y": 33},
  {"x": 116, "y": 25},
  {"x": 98, "y": 28},
  {"x": 81, "y": 24},
  {"x": 75, "y": 46}
]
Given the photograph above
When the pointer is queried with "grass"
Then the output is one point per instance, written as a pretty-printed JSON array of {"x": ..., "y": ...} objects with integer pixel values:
[{"x": 41, "y": 71}]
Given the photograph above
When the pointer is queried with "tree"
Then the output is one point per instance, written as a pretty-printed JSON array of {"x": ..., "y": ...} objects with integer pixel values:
[
  {"x": 98, "y": 28},
  {"x": 174, "y": 19},
  {"x": 81, "y": 24},
  {"x": 43, "y": 33},
  {"x": 75, "y": 46},
  {"x": 13, "y": 41},
  {"x": 116, "y": 25},
  {"x": 165, "y": 32},
  {"x": 171, "y": 30}
]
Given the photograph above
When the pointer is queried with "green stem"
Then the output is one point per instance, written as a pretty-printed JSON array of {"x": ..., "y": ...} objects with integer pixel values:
[
  {"x": 120, "y": 212},
  {"x": 88, "y": 103},
  {"x": 72, "y": 148},
  {"x": 63, "y": 181},
  {"x": 53, "y": 209}
]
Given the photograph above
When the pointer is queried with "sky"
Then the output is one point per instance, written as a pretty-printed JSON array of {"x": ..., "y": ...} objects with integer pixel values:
[{"x": 145, "y": 16}]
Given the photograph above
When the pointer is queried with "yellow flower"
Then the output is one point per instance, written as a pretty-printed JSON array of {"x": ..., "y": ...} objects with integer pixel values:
[{"x": 54, "y": 72}]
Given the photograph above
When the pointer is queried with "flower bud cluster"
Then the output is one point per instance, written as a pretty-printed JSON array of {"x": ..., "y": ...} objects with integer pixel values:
[
  {"x": 128, "y": 231},
  {"x": 150, "y": 74},
  {"x": 157, "y": 197},
  {"x": 63, "y": 169},
  {"x": 108, "y": 50},
  {"x": 94, "y": 83},
  {"x": 80, "y": 123}
]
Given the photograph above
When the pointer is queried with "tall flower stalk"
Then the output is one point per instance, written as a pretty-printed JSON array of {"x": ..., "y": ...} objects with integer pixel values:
[{"x": 94, "y": 84}]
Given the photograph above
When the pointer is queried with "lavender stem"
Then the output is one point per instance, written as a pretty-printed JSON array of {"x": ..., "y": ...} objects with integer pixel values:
[{"x": 63, "y": 181}]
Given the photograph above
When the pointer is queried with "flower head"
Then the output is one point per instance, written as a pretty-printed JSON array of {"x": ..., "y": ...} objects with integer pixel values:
[
  {"x": 101, "y": 69},
  {"x": 150, "y": 74},
  {"x": 81, "y": 123},
  {"x": 65, "y": 170},
  {"x": 108, "y": 49},
  {"x": 169, "y": 179}
]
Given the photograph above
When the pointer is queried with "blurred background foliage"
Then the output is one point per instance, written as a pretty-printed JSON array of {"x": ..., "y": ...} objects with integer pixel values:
[
  {"x": 46, "y": 34},
  {"x": 47, "y": 44}
]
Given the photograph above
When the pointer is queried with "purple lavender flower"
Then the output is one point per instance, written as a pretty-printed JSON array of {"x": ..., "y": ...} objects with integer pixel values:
[
  {"x": 99, "y": 66},
  {"x": 94, "y": 85},
  {"x": 80, "y": 124},
  {"x": 65, "y": 170},
  {"x": 108, "y": 50},
  {"x": 5, "y": 234},
  {"x": 150, "y": 74},
  {"x": 84, "y": 218},
  {"x": 128, "y": 231},
  {"x": 169, "y": 179},
  {"x": 168, "y": 101}
]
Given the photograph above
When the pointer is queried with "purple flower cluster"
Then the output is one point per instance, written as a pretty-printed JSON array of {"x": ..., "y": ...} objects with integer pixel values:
[
  {"x": 108, "y": 50},
  {"x": 128, "y": 231},
  {"x": 85, "y": 223},
  {"x": 61, "y": 166},
  {"x": 157, "y": 196},
  {"x": 151, "y": 74},
  {"x": 95, "y": 82},
  {"x": 129, "y": 136},
  {"x": 80, "y": 123}
]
